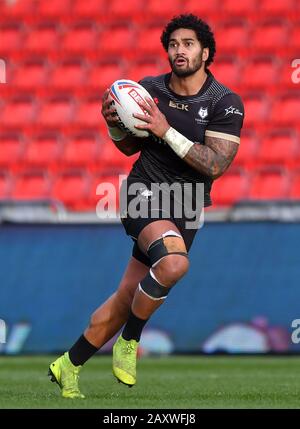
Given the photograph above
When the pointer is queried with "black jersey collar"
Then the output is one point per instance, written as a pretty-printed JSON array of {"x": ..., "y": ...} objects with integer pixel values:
[{"x": 204, "y": 87}]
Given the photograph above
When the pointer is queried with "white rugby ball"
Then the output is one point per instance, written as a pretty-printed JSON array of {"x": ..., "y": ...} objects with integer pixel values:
[{"x": 125, "y": 95}]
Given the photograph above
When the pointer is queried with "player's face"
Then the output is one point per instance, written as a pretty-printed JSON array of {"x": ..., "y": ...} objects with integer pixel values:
[{"x": 184, "y": 52}]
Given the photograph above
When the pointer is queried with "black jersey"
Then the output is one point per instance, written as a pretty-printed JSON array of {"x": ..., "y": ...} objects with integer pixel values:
[{"x": 214, "y": 111}]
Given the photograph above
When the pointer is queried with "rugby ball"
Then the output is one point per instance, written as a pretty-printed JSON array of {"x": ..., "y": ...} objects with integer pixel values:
[{"x": 125, "y": 95}]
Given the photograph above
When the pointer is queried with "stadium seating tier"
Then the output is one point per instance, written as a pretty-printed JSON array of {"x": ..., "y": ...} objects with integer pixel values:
[{"x": 61, "y": 55}]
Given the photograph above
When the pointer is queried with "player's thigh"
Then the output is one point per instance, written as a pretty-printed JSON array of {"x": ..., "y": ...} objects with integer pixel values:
[{"x": 134, "y": 273}]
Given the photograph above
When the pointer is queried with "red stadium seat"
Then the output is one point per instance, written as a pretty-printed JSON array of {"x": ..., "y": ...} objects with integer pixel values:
[
  {"x": 56, "y": 112},
  {"x": 133, "y": 9},
  {"x": 69, "y": 75},
  {"x": 90, "y": 8},
  {"x": 111, "y": 158},
  {"x": 89, "y": 113},
  {"x": 232, "y": 36},
  {"x": 43, "y": 151},
  {"x": 270, "y": 36},
  {"x": 227, "y": 71},
  {"x": 5, "y": 185},
  {"x": 294, "y": 39},
  {"x": 278, "y": 7},
  {"x": 234, "y": 7},
  {"x": 31, "y": 186},
  {"x": 167, "y": 8},
  {"x": 19, "y": 9},
  {"x": 31, "y": 75},
  {"x": 256, "y": 108},
  {"x": 11, "y": 150},
  {"x": 54, "y": 8},
  {"x": 286, "y": 110},
  {"x": 71, "y": 188},
  {"x": 296, "y": 161},
  {"x": 81, "y": 151},
  {"x": 247, "y": 152},
  {"x": 18, "y": 112},
  {"x": 268, "y": 184},
  {"x": 11, "y": 37},
  {"x": 104, "y": 74},
  {"x": 260, "y": 73},
  {"x": 230, "y": 188},
  {"x": 82, "y": 38},
  {"x": 148, "y": 41},
  {"x": 295, "y": 186},
  {"x": 139, "y": 70},
  {"x": 277, "y": 148},
  {"x": 202, "y": 8},
  {"x": 117, "y": 41},
  {"x": 43, "y": 39}
]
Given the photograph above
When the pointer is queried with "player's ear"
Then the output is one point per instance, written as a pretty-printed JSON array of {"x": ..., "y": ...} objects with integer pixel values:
[{"x": 205, "y": 54}]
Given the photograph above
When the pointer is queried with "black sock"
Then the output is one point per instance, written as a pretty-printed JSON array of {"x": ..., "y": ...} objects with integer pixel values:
[
  {"x": 133, "y": 328},
  {"x": 81, "y": 351}
]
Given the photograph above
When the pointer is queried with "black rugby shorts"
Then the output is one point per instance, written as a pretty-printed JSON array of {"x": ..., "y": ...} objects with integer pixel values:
[{"x": 141, "y": 204}]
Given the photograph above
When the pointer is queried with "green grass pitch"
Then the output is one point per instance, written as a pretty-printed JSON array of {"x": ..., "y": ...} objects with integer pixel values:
[{"x": 166, "y": 382}]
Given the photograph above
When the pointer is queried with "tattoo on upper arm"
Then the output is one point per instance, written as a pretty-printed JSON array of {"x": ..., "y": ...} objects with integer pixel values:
[{"x": 213, "y": 158}]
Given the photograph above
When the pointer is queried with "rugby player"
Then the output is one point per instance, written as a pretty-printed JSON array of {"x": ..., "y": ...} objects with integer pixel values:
[{"x": 194, "y": 126}]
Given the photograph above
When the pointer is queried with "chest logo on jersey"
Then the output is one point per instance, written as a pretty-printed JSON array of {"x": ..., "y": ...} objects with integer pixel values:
[
  {"x": 203, "y": 112},
  {"x": 179, "y": 106}
]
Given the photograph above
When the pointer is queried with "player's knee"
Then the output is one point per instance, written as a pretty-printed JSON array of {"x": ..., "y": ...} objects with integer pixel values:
[
  {"x": 169, "y": 258},
  {"x": 171, "y": 268}
]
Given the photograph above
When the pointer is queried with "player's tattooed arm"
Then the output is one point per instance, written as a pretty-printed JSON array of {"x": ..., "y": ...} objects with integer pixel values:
[{"x": 213, "y": 158}]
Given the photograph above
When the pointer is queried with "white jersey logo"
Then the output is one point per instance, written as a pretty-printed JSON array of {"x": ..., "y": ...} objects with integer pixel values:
[
  {"x": 232, "y": 110},
  {"x": 203, "y": 112}
]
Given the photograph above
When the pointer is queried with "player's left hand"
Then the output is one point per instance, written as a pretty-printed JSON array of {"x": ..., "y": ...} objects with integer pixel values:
[{"x": 155, "y": 120}]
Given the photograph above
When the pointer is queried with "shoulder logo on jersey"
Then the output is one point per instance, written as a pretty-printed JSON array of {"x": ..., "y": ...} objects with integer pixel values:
[
  {"x": 233, "y": 111},
  {"x": 203, "y": 112},
  {"x": 179, "y": 106}
]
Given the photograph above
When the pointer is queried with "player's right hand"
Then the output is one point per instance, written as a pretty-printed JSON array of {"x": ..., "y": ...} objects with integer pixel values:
[{"x": 108, "y": 111}]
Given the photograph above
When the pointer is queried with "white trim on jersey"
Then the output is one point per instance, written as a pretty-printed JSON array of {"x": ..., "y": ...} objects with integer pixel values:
[{"x": 223, "y": 136}]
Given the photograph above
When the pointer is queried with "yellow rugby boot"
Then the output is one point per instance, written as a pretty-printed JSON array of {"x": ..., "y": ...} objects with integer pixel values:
[
  {"x": 124, "y": 361},
  {"x": 65, "y": 374}
]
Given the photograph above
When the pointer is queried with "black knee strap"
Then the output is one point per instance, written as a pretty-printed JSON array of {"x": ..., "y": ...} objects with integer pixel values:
[
  {"x": 158, "y": 250},
  {"x": 152, "y": 288}
]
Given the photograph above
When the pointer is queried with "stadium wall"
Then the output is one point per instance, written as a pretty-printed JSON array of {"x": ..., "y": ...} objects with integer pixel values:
[{"x": 54, "y": 276}]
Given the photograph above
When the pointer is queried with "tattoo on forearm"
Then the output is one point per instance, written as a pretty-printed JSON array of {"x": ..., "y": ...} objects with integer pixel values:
[{"x": 213, "y": 158}]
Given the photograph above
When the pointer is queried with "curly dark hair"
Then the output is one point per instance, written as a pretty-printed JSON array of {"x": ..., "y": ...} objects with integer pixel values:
[{"x": 201, "y": 28}]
